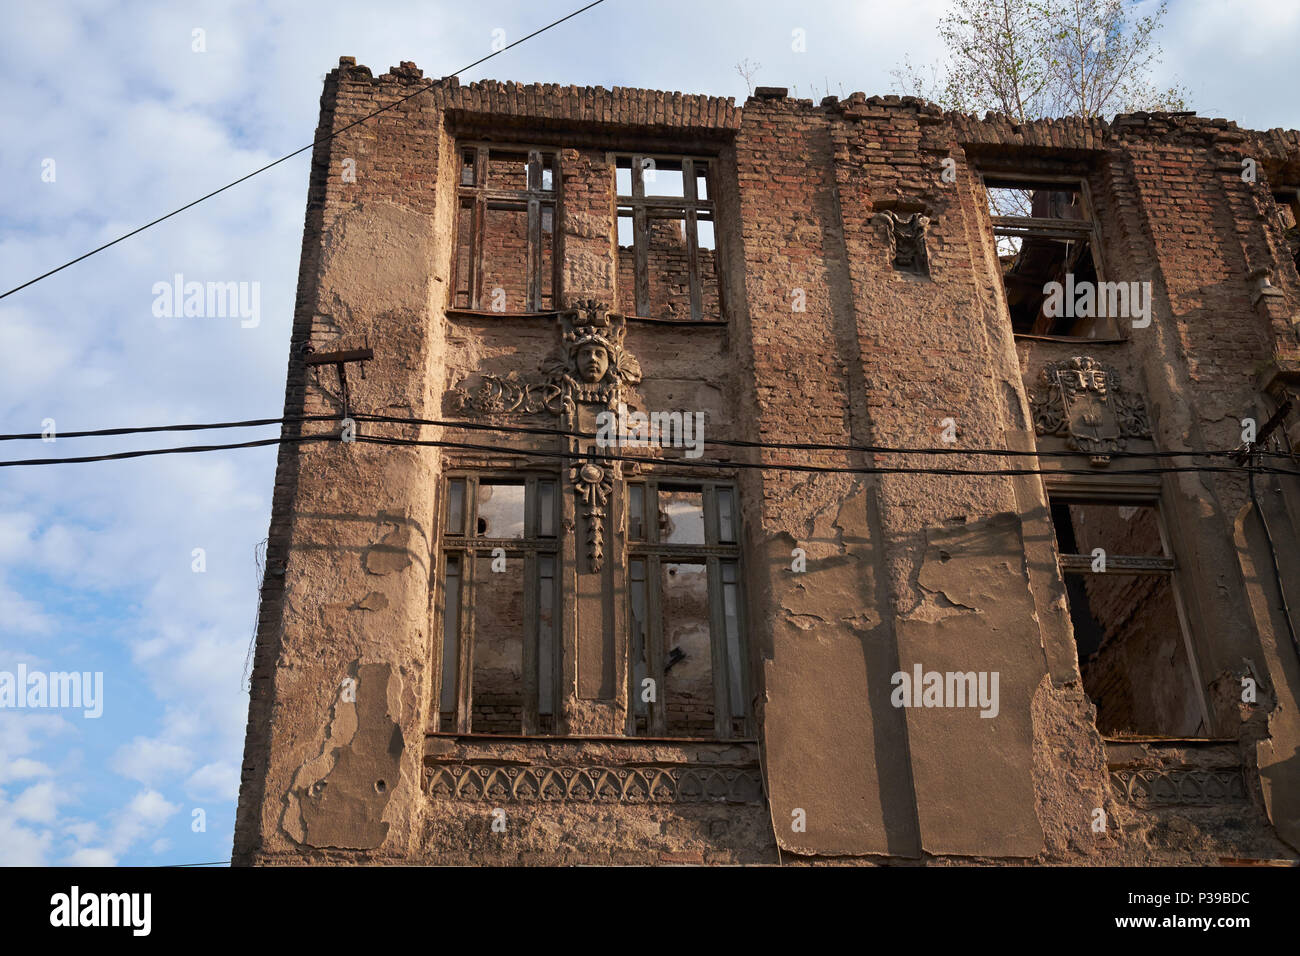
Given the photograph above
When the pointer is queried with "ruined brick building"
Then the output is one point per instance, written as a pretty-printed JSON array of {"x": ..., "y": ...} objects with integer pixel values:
[{"x": 499, "y": 640}]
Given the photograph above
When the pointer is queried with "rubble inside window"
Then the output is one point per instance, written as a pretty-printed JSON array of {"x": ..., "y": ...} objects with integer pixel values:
[
  {"x": 1043, "y": 234},
  {"x": 1288, "y": 206},
  {"x": 1134, "y": 652}
]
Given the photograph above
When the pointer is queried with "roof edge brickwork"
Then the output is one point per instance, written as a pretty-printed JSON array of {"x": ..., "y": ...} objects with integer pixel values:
[{"x": 637, "y": 106}]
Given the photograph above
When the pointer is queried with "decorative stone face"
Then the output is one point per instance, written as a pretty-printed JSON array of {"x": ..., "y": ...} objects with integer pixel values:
[
  {"x": 1082, "y": 400},
  {"x": 906, "y": 238},
  {"x": 592, "y": 365},
  {"x": 589, "y": 366},
  {"x": 593, "y": 362}
]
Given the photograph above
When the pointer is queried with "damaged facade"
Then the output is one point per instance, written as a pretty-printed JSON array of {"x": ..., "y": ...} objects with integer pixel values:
[{"x": 491, "y": 641}]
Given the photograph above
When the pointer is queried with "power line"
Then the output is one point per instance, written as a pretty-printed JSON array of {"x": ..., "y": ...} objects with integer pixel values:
[
  {"x": 815, "y": 446},
  {"x": 673, "y": 462},
  {"x": 288, "y": 156},
  {"x": 565, "y": 433},
  {"x": 792, "y": 466},
  {"x": 145, "y": 429},
  {"x": 145, "y": 453}
]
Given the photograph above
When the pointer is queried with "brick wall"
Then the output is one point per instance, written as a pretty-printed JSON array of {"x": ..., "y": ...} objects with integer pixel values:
[{"x": 825, "y": 341}]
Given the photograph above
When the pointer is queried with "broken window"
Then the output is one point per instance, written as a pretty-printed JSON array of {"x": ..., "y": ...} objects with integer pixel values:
[
  {"x": 505, "y": 230},
  {"x": 1046, "y": 248},
  {"x": 1134, "y": 654},
  {"x": 688, "y": 675},
  {"x": 1288, "y": 209},
  {"x": 667, "y": 245},
  {"x": 500, "y": 590}
]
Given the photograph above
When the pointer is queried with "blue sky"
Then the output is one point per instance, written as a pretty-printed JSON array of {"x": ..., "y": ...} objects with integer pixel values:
[{"x": 96, "y": 566}]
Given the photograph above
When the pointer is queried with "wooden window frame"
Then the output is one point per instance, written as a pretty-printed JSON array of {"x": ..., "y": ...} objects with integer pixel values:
[
  {"x": 1026, "y": 227},
  {"x": 1164, "y": 565},
  {"x": 714, "y": 553},
  {"x": 475, "y": 198},
  {"x": 1287, "y": 199},
  {"x": 472, "y": 548},
  {"x": 688, "y": 206}
]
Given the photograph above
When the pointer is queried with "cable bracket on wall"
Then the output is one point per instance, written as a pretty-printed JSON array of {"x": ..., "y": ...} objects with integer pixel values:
[{"x": 340, "y": 359}]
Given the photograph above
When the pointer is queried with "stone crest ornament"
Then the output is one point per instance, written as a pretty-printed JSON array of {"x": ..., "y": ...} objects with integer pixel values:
[
  {"x": 906, "y": 238},
  {"x": 1081, "y": 400},
  {"x": 592, "y": 484},
  {"x": 591, "y": 365}
]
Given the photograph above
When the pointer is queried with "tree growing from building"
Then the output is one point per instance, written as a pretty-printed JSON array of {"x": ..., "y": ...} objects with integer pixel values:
[{"x": 1035, "y": 59}]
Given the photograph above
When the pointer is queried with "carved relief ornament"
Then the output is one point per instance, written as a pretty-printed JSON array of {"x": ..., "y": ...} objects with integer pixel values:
[
  {"x": 906, "y": 237},
  {"x": 590, "y": 365},
  {"x": 1082, "y": 400},
  {"x": 592, "y": 484}
]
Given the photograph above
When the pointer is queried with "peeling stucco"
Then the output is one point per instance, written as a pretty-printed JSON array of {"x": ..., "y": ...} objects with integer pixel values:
[{"x": 339, "y": 797}]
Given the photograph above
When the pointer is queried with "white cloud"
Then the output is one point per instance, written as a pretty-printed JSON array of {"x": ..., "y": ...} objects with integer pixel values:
[
  {"x": 151, "y": 761},
  {"x": 15, "y": 534},
  {"x": 83, "y": 832},
  {"x": 214, "y": 781},
  {"x": 20, "y": 845},
  {"x": 146, "y": 813},
  {"x": 141, "y": 819},
  {"x": 92, "y": 856},
  {"x": 38, "y": 803},
  {"x": 23, "y": 768},
  {"x": 21, "y": 615}
]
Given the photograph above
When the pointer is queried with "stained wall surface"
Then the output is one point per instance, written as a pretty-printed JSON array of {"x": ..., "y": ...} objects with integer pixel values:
[{"x": 850, "y": 656}]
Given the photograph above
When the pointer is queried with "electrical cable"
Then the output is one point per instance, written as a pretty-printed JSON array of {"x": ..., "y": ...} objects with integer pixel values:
[
  {"x": 564, "y": 433},
  {"x": 802, "y": 446},
  {"x": 605, "y": 456},
  {"x": 288, "y": 156},
  {"x": 789, "y": 466},
  {"x": 145, "y": 453},
  {"x": 1277, "y": 571},
  {"x": 145, "y": 429}
]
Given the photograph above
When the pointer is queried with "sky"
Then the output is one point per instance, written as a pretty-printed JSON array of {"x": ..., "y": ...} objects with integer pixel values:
[{"x": 145, "y": 571}]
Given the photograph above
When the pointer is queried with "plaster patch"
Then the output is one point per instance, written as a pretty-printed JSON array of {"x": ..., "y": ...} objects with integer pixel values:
[{"x": 338, "y": 799}]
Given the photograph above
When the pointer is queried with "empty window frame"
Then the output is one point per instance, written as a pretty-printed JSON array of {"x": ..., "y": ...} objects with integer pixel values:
[
  {"x": 1288, "y": 210},
  {"x": 688, "y": 674},
  {"x": 666, "y": 237},
  {"x": 1043, "y": 233},
  {"x": 499, "y": 664},
  {"x": 1134, "y": 653},
  {"x": 505, "y": 229}
]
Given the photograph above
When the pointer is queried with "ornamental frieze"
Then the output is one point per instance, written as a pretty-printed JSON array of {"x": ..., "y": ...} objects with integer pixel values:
[
  {"x": 1179, "y": 787},
  {"x": 499, "y": 783}
]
